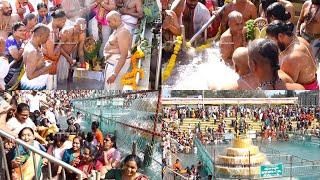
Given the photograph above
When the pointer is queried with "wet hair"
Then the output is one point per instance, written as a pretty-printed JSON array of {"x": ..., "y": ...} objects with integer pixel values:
[
  {"x": 233, "y": 15},
  {"x": 113, "y": 139},
  {"x": 278, "y": 11},
  {"x": 277, "y": 27},
  {"x": 20, "y": 133},
  {"x": 28, "y": 18},
  {"x": 22, "y": 107},
  {"x": 133, "y": 157},
  {"x": 265, "y": 50},
  {"x": 16, "y": 26},
  {"x": 58, "y": 14},
  {"x": 41, "y": 5},
  {"x": 266, "y": 3}
]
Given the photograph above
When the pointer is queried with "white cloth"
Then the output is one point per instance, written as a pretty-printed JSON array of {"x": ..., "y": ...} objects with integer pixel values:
[
  {"x": 51, "y": 117},
  {"x": 94, "y": 31},
  {"x": 62, "y": 69},
  {"x": 200, "y": 17},
  {"x": 16, "y": 126},
  {"x": 130, "y": 22},
  {"x": 52, "y": 82},
  {"x": 38, "y": 83},
  {"x": 33, "y": 102},
  {"x": 110, "y": 66},
  {"x": 4, "y": 69}
]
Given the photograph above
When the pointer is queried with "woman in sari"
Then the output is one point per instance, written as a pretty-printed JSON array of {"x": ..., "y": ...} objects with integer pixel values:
[
  {"x": 22, "y": 163},
  {"x": 131, "y": 164},
  {"x": 110, "y": 156},
  {"x": 72, "y": 156}
]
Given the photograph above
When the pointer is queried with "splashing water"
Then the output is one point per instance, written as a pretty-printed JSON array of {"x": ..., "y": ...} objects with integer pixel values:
[{"x": 202, "y": 71}]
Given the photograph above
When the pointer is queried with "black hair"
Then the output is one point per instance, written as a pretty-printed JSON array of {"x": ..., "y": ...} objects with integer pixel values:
[
  {"x": 22, "y": 107},
  {"x": 278, "y": 11},
  {"x": 266, "y": 50},
  {"x": 59, "y": 137},
  {"x": 40, "y": 28},
  {"x": 266, "y": 3},
  {"x": 113, "y": 139},
  {"x": 58, "y": 14},
  {"x": 28, "y": 18},
  {"x": 41, "y": 5},
  {"x": 20, "y": 133},
  {"x": 95, "y": 125},
  {"x": 89, "y": 137},
  {"x": 16, "y": 26},
  {"x": 135, "y": 158},
  {"x": 277, "y": 27}
]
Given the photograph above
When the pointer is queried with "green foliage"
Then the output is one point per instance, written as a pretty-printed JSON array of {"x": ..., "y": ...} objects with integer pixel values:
[
  {"x": 151, "y": 11},
  {"x": 250, "y": 29}
]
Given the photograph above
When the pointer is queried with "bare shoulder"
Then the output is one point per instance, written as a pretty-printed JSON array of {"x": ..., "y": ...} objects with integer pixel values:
[
  {"x": 294, "y": 86},
  {"x": 124, "y": 33},
  {"x": 15, "y": 17},
  {"x": 82, "y": 37},
  {"x": 226, "y": 36}
]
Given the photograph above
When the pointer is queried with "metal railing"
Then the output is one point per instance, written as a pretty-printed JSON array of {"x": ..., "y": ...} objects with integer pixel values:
[
  {"x": 34, "y": 151},
  {"x": 170, "y": 174}
]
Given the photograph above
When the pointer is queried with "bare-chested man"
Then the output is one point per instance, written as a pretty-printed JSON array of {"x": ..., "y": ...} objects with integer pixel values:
[
  {"x": 287, "y": 5},
  {"x": 195, "y": 15},
  {"x": 247, "y": 80},
  {"x": 7, "y": 19},
  {"x": 296, "y": 60},
  {"x": 264, "y": 64},
  {"x": 36, "y": 69},
  {"x": 233, "y": 37},
  {"x": 51, "y": 49},
  {"x": 72, "y": 40},
  {"x": 245, "y": 7},
  {"x": 116, "y": 52},
  {"x": 131, "y": 11},
  {"x": 309, "y": 25}
]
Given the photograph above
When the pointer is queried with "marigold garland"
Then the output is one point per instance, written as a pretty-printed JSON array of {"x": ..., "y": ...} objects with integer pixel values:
[
  {"x": 172, "y": 61},
  {"x": 130, "y": 77}
]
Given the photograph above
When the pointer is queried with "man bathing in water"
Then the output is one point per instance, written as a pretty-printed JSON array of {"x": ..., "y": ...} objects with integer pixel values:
[
  {"x": 7, "y": 19},
  {"x": 131, "y": 11},
  {"x": 264, "y": 64},
  {"x": 116, "y": 52},
  {"x": 72, "y": 38},
  {"x": 309, "y": 25},
  {"x": 295, "y": 58},
  {"x": 36, "y": 69},
  {"x": 245, "y": 7},
  {"x": 233, "y": 38}
]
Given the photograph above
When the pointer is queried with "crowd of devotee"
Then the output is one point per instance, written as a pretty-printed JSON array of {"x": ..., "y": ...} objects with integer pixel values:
[
  {"x": 275, "y": 122},
  {"x": 34, "y": 117},
  {"x": 264, "y": 42},
  {"x": 43, "y": 41}
]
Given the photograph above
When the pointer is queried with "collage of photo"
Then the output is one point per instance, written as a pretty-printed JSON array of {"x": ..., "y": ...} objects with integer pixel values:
[{"x": 159, "y": 89}]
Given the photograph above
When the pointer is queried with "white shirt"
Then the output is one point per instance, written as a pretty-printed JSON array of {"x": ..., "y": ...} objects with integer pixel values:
[
  {"x": 33, "y": 102},
  {"x": 16, "y": 126},
  {"x": 51, "y": 117}
]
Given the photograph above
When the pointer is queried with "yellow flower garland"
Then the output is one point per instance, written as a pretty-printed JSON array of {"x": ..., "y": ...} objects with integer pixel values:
[
  {"x": 130, "y": 77},
  {"x": 172, "y": 61}
]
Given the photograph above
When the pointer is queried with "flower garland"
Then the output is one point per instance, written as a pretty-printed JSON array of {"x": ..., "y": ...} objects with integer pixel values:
[
  {"x": 130, "y": 77},
  {"x": 172, "y": 61},
  {"x": 204, "y": 46}
]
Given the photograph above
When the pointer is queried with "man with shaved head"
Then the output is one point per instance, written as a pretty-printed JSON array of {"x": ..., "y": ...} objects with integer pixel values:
[
  {"x": 116, "y": 51},
  {"x": 233, "y": 38},
  {"x": 6, "y": 19},
  {"x": 246, "y": 79},
  {"x": 36, "y": 69}
]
